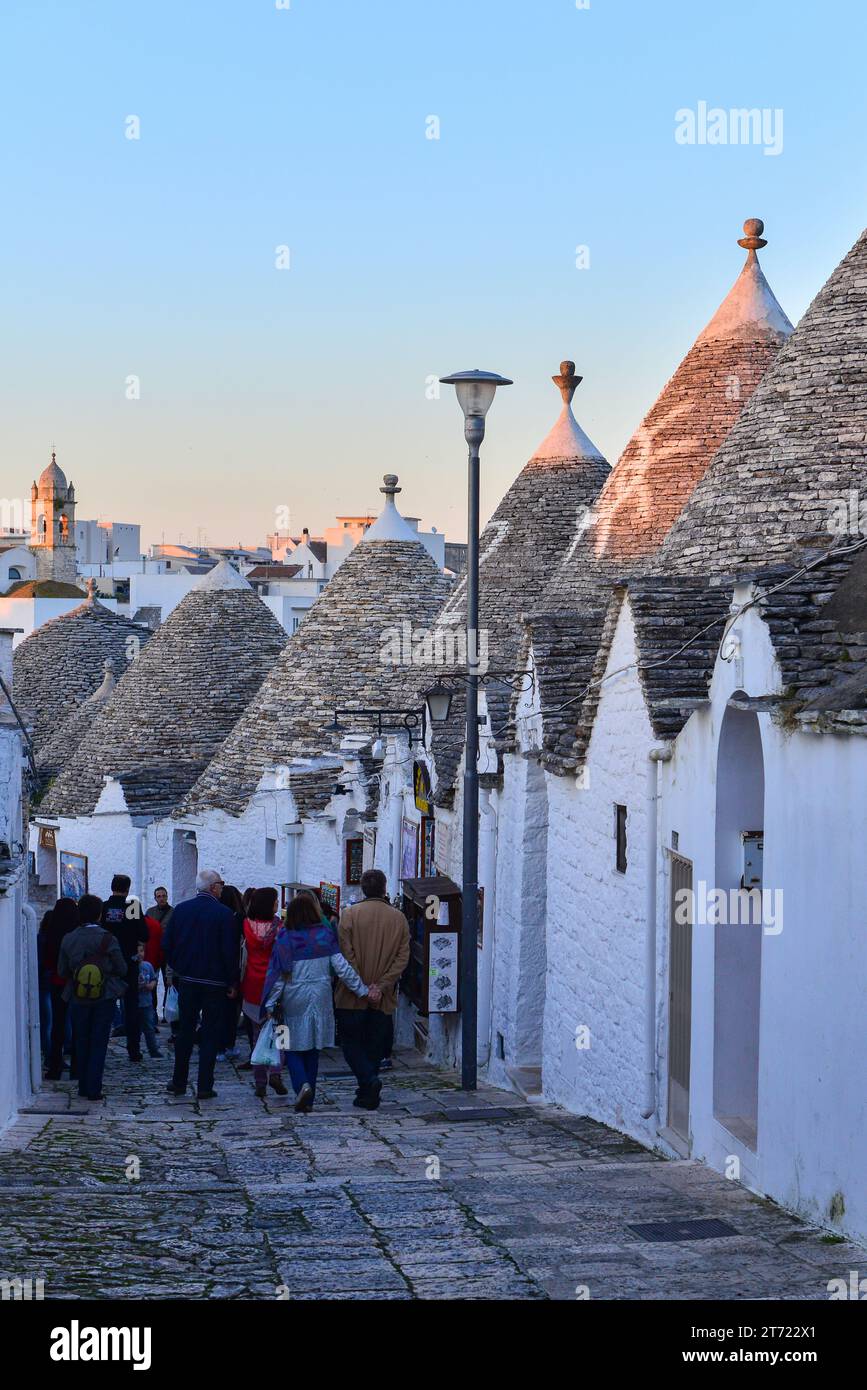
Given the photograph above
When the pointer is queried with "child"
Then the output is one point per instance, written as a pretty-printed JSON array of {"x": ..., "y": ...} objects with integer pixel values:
[{"x": 147, "y": 984}]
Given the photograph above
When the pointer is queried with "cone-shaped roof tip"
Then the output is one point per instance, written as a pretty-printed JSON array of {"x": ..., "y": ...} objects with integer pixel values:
[
  {"x": 750, "y": 305},
  {"x": 390, "y": 525},
  {"x": 222, "y": 576},
  {"x": 567, "y": 440}
]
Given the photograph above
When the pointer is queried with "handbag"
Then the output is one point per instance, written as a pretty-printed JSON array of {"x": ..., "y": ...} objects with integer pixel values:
[{"x": 172, "y": 1008}]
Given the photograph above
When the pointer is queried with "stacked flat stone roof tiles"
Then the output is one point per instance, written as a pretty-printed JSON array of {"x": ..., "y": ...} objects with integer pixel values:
[
  {"x": 338, "y": 658},
  {"x": 62, "y": 663},
  {"x": 177, "y": 702}
]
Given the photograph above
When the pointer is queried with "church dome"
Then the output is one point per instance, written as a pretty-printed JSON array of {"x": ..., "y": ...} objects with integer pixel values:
[{"x": 52, "y": 478}]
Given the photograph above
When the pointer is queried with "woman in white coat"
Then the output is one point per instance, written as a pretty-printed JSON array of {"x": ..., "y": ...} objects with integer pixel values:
[{"x": 298, "y": 995}]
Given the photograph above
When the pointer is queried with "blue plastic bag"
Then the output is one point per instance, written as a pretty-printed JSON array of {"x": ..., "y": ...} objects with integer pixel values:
[{"x": 266, "y": 1053}]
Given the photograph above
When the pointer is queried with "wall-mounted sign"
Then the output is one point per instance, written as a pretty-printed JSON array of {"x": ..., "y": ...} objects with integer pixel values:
[
  {"x": 354, "y": 859},
  {"x": 421, "y": 785},
  {"x": 47, "y": 837},
  {"x": 329, "y": 895}
]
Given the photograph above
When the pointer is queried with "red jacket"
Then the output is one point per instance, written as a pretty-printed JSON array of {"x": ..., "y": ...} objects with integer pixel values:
[
  {"x": 258, "y": 956},
  {"x": 153, "y": 951}
]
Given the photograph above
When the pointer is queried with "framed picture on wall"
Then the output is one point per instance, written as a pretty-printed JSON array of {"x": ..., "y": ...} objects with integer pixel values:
[
  {"x": 73, "y": 875},
  {"x": 354, "y": 859},
  {"x": 409, "y": 850},
  {"x": 47, "y": 837}
]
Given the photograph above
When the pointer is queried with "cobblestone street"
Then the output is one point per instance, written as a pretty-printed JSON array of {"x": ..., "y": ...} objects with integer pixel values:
[{"x": 238, "y": 1198}]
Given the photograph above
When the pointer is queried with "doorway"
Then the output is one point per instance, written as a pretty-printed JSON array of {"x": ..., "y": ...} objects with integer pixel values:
[
  {"x": 679, "y": 995},
  {"x": 740, "y": 805}
]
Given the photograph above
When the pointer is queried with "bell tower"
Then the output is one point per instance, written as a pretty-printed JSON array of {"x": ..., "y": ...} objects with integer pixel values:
[{"x": 52, "y": 529}]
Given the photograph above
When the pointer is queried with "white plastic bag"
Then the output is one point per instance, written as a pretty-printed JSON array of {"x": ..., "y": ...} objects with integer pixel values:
[
  {"x": 172, "y": 1010},
  {"x": 266, "y": 1053}
]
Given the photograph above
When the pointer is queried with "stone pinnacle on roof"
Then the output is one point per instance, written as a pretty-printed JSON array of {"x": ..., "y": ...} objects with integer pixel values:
[
  {"x": 390, "y": 525},
  {"x": 675, "y": 442},
  {"x": 781, "y": 482},
  {"x": 567, "y": 440}
]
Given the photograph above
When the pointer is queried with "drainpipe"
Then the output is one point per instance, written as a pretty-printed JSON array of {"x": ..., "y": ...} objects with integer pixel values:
[
  {"x": 488, "y": 876},
  {"x": 31, "y": 972},
  {"x": 656, "y": 756},
  {"x": 139, "y": 864},
  {"x": 396, "y": 830}
]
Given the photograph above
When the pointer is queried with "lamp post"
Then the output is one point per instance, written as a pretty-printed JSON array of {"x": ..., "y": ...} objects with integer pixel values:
[{"x": 475, "y": 391}]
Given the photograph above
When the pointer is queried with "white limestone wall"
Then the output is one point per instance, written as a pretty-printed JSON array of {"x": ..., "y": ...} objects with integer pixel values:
[
  {"x": 812, "y": 1117},
  {"x": 20, "y": 1069},
  {"x": 596, "y": 977}
]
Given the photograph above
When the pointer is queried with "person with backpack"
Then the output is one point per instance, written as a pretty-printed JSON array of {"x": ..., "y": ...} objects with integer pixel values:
[
  {"x": 123, "y": 916},
  {"x": 91, "y": 962}
]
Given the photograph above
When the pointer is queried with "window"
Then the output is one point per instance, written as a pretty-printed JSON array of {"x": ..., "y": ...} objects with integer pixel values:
[
  {"x": 354, "y": 859},
  {"x": 620, "y": 837},
  {"x": 270, "y": 851},
  {"x": 14, "y": 573}
]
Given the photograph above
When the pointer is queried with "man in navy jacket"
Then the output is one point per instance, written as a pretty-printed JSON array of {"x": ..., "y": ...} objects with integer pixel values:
[{"x": 200, "y": 942}]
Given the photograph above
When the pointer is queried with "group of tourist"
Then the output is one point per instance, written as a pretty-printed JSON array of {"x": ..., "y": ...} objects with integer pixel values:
[{"x": 225, "y": 959}]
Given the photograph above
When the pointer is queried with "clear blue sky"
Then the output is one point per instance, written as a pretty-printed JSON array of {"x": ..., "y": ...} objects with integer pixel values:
[{"x": 409, "y": 257}]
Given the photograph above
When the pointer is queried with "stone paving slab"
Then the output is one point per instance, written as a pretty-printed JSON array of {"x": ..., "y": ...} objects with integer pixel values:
[{"x": 152, "y": 1197}]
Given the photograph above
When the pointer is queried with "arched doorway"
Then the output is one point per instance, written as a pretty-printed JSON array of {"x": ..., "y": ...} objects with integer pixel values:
[{"x": 740, "y": 810}]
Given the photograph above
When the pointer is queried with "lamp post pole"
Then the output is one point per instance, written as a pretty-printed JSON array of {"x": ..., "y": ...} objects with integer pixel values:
[
  {"x": 474, "y": 431},
  {"x": 475, "y": 392}
]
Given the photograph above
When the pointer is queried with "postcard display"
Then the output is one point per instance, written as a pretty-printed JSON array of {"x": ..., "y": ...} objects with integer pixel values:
[{"x": 433, "y": 910}]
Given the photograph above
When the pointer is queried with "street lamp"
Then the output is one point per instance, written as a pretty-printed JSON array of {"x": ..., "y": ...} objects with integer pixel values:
[
  {"x": 475, "y": 391},
  {"x": 439, "y": 703}
]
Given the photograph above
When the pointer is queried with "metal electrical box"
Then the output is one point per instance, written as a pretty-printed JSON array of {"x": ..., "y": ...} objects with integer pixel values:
[{"x": 754, "y": 850}]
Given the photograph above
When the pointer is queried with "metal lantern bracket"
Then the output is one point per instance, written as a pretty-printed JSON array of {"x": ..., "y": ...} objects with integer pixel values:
[{"x": 390, "y": 721}]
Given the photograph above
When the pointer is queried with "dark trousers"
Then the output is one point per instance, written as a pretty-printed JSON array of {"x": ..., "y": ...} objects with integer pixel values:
[
  {"x": 59, "y": 1008},
  {"x": 209, "y": 1000},
  {"x": 91, "y": 1028},
  {"x": 363, "y": 1037},
  {"x": 303, "y": 1067},
  {"x": 131, "y": 1012}
]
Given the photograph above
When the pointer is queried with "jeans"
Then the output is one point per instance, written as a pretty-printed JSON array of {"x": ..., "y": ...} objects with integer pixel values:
[
  {"x": 209, "y": 1000},
  {"x": 364, "y": 1035},
  {"x": 91, "y": 1024},
  {"x": 303, "y": 1067},
  {"x": 148, "y": 1018},
  {"x": 59, "y": 1008},
  {"x": 130, "y": 1006}
]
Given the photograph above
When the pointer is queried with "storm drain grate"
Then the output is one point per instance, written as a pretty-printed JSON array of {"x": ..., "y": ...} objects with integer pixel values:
[
  {"x": 477, "y": 1113},
  {"x": 703, "y": 1228}
]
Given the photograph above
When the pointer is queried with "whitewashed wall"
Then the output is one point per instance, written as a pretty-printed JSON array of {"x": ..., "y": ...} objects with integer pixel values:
[
  {"x": 20, "y": 1066},
  {"x": 597, "y": 915},
  {"x": 812, "y": 1121}
]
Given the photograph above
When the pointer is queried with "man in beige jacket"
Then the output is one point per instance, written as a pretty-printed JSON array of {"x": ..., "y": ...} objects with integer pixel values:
[{"x": 374, "y": 938}]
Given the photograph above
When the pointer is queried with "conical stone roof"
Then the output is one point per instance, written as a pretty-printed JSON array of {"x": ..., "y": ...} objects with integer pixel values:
[
  {"x": 792, "y": 475},
  {"x": 677, "y": 439},
  {"x": 62, "y": 663},
  {"x": 174, "y": 706},
  {"x": 56, "y": 751},
  {"x": 525, "y": 540},
  {"x": 346, "y": 654}
]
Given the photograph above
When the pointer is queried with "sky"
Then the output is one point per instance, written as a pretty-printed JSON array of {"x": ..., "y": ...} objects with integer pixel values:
[{"x": 197, "y": 379}]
